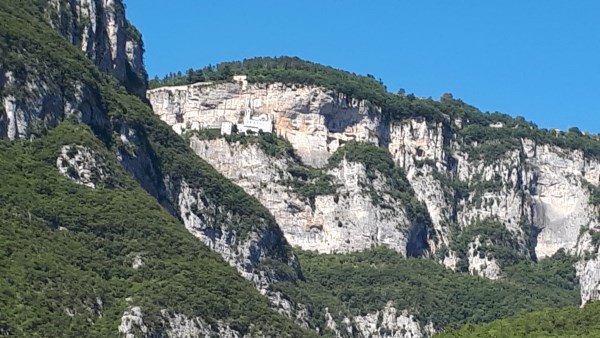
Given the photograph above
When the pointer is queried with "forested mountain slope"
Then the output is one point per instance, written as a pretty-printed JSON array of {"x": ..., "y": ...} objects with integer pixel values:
[
  {"x": 87, "y": 251},
  {"x": 113, "y": 226},
  {"x": 94, "y": 261},
  {"x": 562, "y": 323}
]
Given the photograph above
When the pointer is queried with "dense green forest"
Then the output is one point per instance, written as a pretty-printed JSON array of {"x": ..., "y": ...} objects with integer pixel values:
[
  {"x": 480, "y": 140},
  {"x": 570, "y": 322},
  {"x": 67, "y": 248},
  {"x": 361, "y": 283}
]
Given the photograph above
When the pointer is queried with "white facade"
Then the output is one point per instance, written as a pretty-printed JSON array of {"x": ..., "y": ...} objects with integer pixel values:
[
  {"x": 243, "y": 79},
  {"x": 239, "y": 78},
  {"x": 250, "y": 123},
  {"x": 226, "y": 128},
  {"x": 262, "y": 122}
]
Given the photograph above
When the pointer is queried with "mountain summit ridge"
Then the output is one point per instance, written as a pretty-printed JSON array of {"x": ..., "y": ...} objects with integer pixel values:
[
  {"x": 461, "y": 169},
  {"x": 113, "y": 226}
]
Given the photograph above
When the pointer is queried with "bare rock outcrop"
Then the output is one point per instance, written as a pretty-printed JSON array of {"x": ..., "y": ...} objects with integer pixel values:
[{"x": 539, "y": 192}]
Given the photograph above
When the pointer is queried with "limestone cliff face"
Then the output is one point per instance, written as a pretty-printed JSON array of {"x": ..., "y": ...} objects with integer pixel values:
[
  {"x": 588, "y": 268},
  {"x": 412, "y": 144},
  {"x": 387, "y": 322},
  {"x": 343, "y": 221},
  {"x": 213, "y": 225},
  {"x": 175, "y": 325},
  {"x": 181, "y": 326},
  {"x": 538, "y": 184},
  {"x": 482, "y": 266},
  {"x": 44, "y": 105},
  {"x": 393, "y": 324},
  {"x": 537, "y": 191},
  {"x": 100, "y": 29},
  {"x": 83, "y": 165},
  {"x": 315, "y": 120}
]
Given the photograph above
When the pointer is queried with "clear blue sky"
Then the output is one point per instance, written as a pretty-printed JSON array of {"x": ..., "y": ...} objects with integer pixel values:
[{"x": 535, "y": 58}]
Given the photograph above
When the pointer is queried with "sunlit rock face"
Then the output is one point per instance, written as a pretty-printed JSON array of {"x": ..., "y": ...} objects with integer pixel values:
[
  {"x": 83, "y": 165},
  {"x": 539, "y": 192},
  {"x": 345, "y": 220},
  {"x": 313, "y": 119},
  {"x": 100, "y": 29}
]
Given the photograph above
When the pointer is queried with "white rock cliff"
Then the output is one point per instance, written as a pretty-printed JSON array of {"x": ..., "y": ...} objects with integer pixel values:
[
  {"x": 315, "y": 120},
  {"x": 100, "y": 29},
  {"x": 344, "y": 221},
  {"x": 539, "y": 185}
]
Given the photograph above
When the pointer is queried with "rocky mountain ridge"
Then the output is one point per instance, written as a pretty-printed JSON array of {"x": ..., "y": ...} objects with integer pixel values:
[
  {"x": 540, "y": 192},
  {"x": 80, "y": 150},
  {"x": 101, "y": 30}
]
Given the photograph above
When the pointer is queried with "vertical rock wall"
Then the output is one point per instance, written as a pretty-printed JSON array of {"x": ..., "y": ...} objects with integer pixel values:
[{"x": 539, "y": 192}]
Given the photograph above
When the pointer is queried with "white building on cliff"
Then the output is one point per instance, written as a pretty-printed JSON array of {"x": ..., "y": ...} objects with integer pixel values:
[{"x": 255, "y": 124}]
